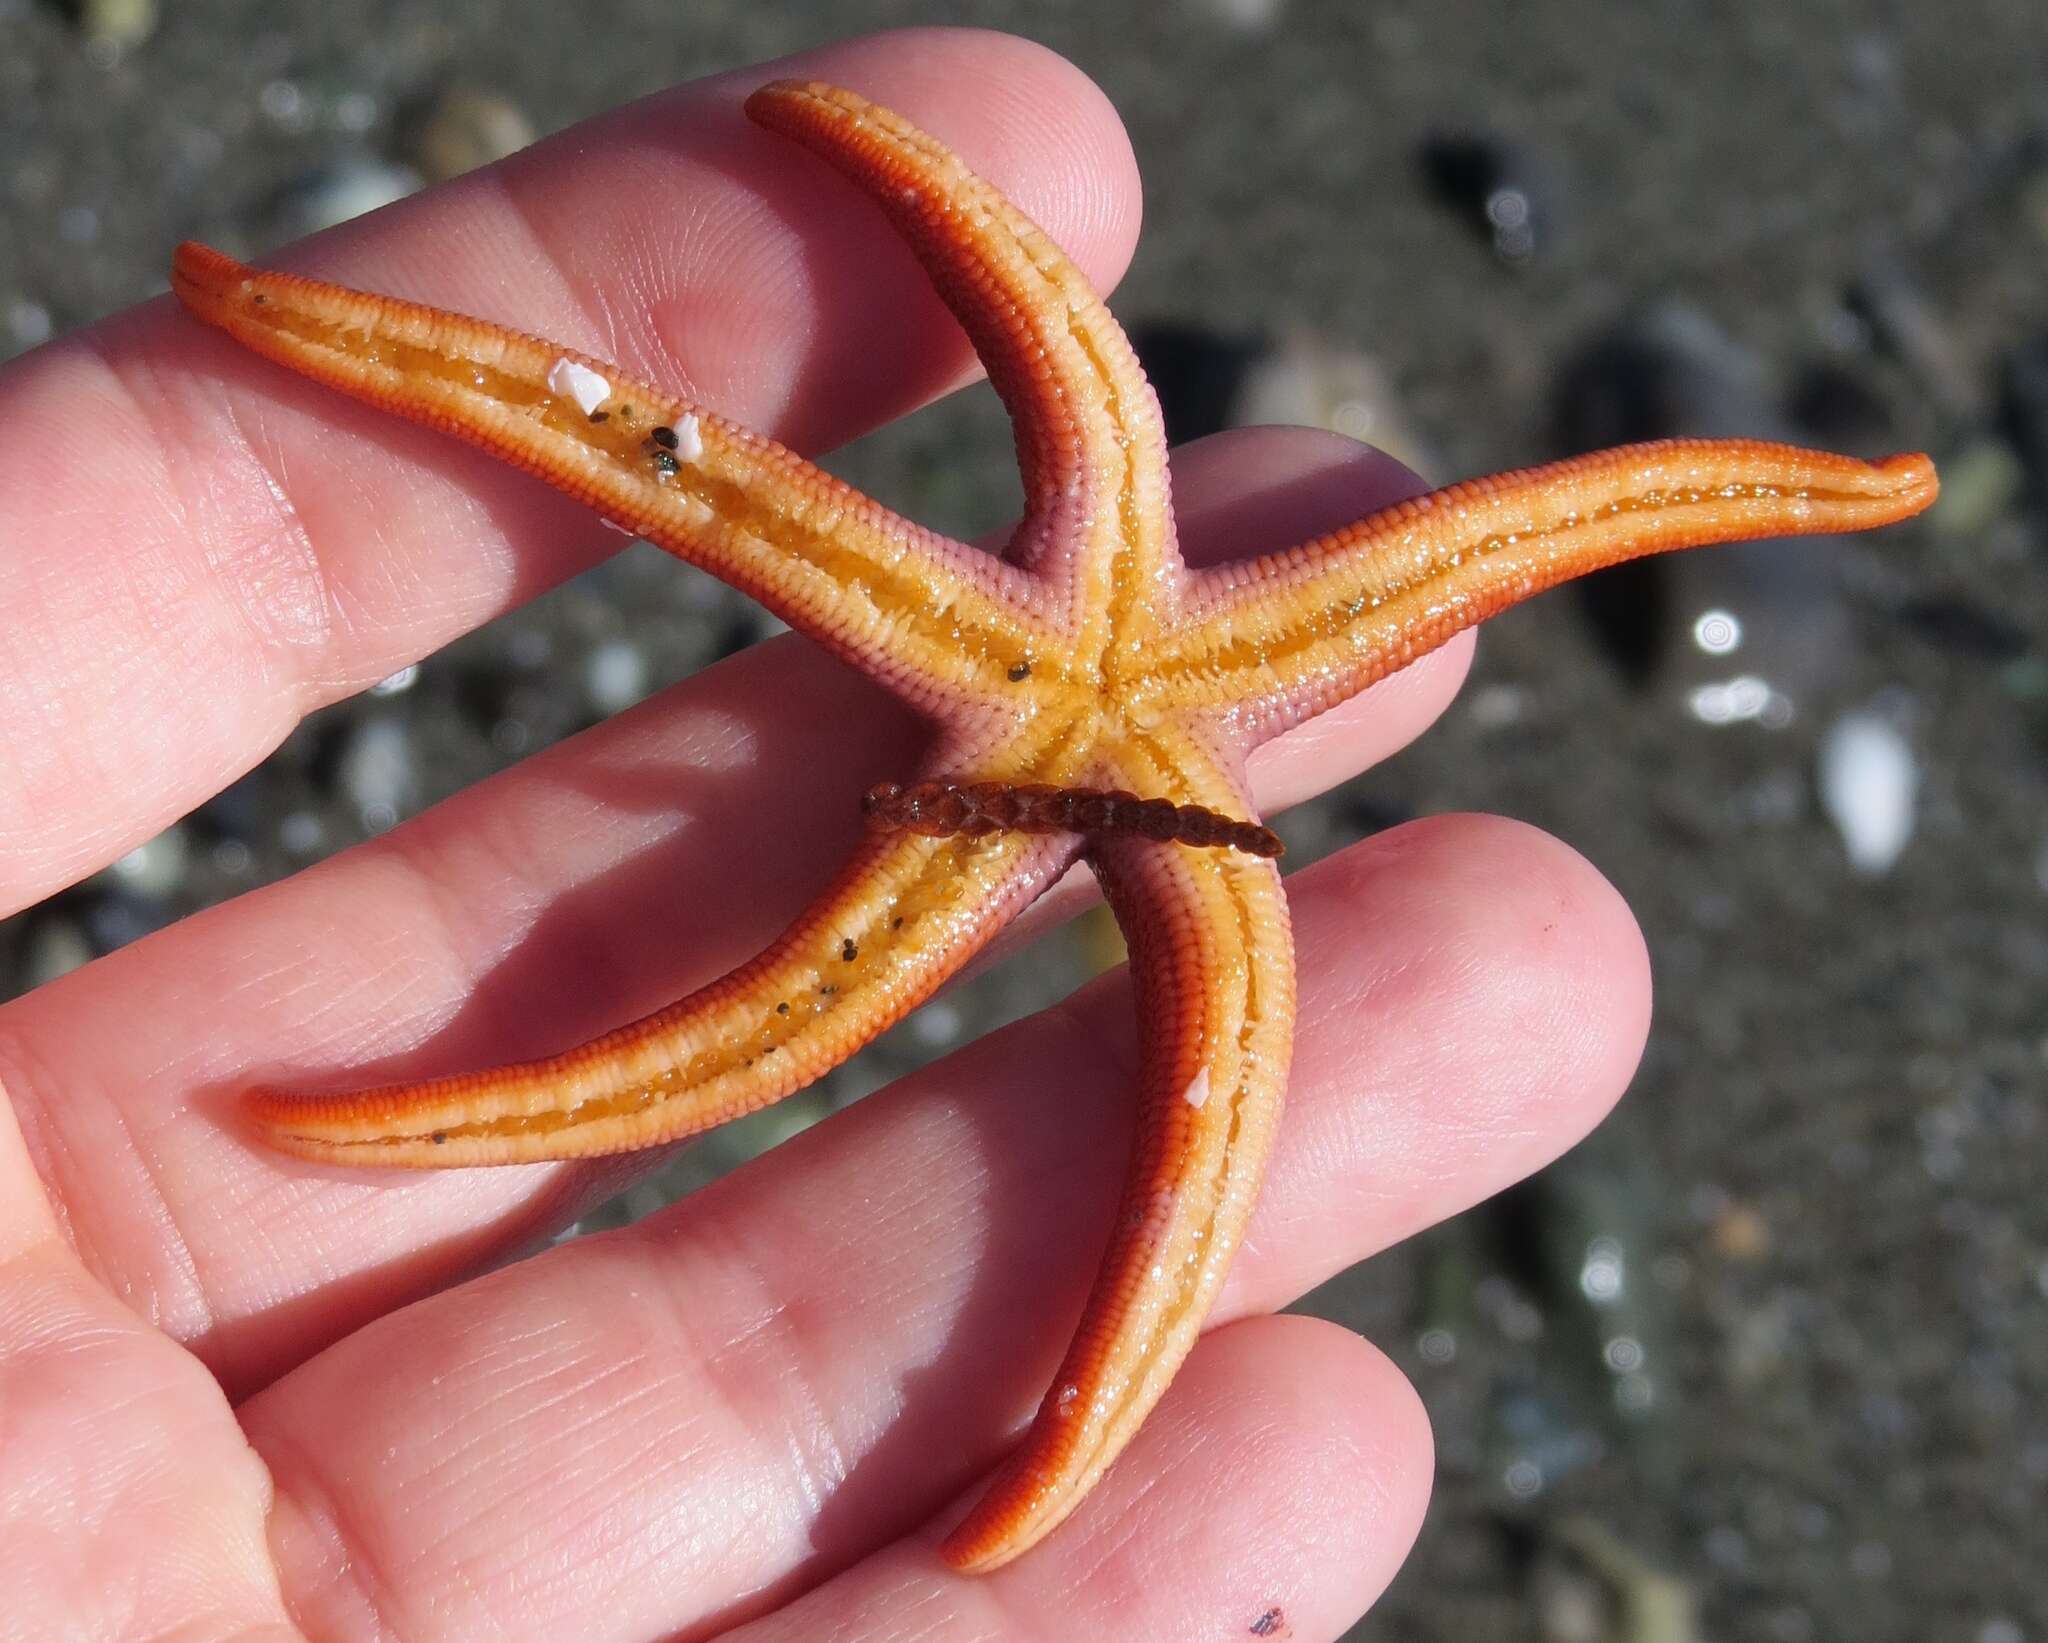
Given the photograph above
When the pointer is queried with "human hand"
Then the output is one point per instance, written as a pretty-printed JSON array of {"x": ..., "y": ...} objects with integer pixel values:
[{"x": 244, "y": 1396}]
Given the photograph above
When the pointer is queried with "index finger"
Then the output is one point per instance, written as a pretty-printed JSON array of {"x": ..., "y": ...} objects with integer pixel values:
[{"x": 199, "y": 549}]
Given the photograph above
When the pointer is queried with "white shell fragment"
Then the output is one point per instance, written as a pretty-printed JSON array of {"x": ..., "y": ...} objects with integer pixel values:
[
  {"x": 689, "y": 440},
  {"x": 1869, "y": 781},
  {"x": 1197, "y": 1091},
  {"x": 578, "y": 382}
]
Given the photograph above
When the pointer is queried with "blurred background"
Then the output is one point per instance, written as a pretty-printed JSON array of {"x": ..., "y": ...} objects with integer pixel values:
[{"x": 1767, "y": 1358}]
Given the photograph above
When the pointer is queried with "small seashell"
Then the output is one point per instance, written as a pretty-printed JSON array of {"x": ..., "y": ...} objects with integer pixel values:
[{"x": 1869, "y": 781}]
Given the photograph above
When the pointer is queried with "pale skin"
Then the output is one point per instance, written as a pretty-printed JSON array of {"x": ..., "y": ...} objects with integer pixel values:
[{"x": 755, "y": 1414}]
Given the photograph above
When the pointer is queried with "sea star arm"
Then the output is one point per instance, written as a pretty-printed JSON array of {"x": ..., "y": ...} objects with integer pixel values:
[
  {"x": 933, "y": 618},
  {"x": 904, "y": 915},
  {"x": 1274, "y": 641},
  {"x": 1090, "y": 442},
  {"x": 1212, "y": 968}
]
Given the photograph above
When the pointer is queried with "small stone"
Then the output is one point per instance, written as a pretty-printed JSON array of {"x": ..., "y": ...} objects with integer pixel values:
[
  {"x": 114, "y": 920},
  {"x": 463, "y": 128},
  {"x": 355, "y": 112},
  {"x": 284, "y": 104},
  {"x": 1504, "y": 188},
  {"x": 936, "y": 1025},
  {"x": 56, "y": 947},
  {"x": 615, "y": 676},
  {"x": 349, "y": 189},
  {"x": 1247, "y": 16},
  {"x": 1208, "y": 380},
  {"x": 529, "y": 648},
  {"x": 1869, "y": 785},
  {"x": 301, "y": 833},
  {"x": 1497, "y": 706},
  {"x": 28, "y": 323},
  {"x": 1979, "y": 485},
  {"x": 78, "y": 224},
  {"x": 376, "y": 770},
  {"x": 153, "y": 869},
  {"x": 115, "y": 26},
  {"x": 1739, "y": 1233}
]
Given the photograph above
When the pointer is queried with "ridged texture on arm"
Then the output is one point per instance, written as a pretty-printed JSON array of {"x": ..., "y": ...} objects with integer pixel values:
[
  {"x": 905, "y": 914},
  {"x": 1212, "y": 971},
  {"x": 934, "y": 619},
  {"x": 1090, "y": 442},
  {"x": 1281, "y": 639}
]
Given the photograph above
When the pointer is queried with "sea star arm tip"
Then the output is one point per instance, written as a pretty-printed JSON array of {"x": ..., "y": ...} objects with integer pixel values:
[
  {"x": 1091, "y": 445},
  {"x": 905, "y": 914},
  {"x": 1213, "y": 984},
  {"x": 1291, "y": 635},
  {"x": 929, "y": 617}
]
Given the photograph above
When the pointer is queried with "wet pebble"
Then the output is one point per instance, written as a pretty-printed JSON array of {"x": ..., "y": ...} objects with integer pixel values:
[
  {"x": 56, "y": 946},
  {"x": 377, "y": 771},
  {"x": 1306, "y": 381},
  {"x": 1742, "y": 635},
  {"x": 28, "y": 323},
  {"x": 1980, "y": 484},
  {"x": 351, "y": 187},
  {"x": 615, "y": 675},
  {"x": 1505, "y": 189},
  {"x": 153, "y": 869},
  {"x": 1869, "y": 786},
  {"x": 527, "y": 648},
  {"x": 462, "y": 128},
  {"x": 1740, "y": 1233},
  {"x": 302, "y": 833},
  {"x": 1208, "y": 380},
  {"x": 1248, "y": 16},
  {"x": 114, "y": 920},
  {"x": 936, "y": 1025},
  {"x": 112, "y": 27}
]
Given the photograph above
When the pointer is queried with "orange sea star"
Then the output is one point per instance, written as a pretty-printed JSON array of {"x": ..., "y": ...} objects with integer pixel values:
[{"x": 1087, "y": 655}]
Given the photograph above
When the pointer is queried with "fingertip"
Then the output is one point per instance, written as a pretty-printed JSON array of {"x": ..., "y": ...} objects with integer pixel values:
[
  {"x": 1571, "y": 962},
  {"x": 1373, "y": 1458},
  {"x": 1292, "y": 1463},
  {"x": 1525, "y": 948},
  {"x": 1476, "y": 998}
]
